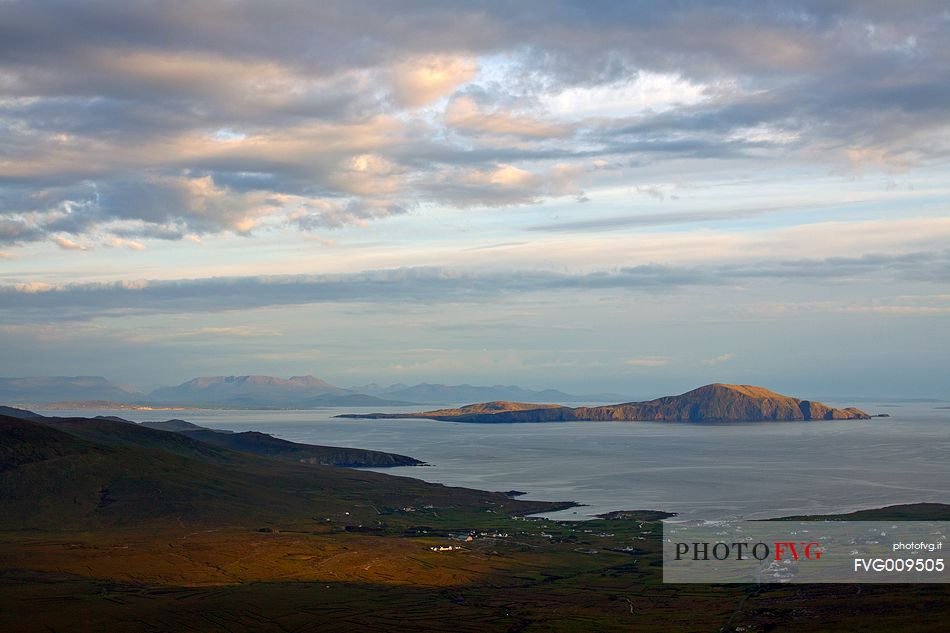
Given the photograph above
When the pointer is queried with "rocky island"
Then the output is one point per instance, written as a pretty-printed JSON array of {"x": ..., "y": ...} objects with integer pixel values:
[{"x": 717, "y": 402}]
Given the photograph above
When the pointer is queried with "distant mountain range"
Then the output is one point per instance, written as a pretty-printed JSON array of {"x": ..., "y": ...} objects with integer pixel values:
[
  {"x": 265, "y": 392},
  {"x": 245, "y": 392},
  {"x": 457, "y": 394},
  {"x": 711, "y": 403},
  {"x": 58, "y": 388}
]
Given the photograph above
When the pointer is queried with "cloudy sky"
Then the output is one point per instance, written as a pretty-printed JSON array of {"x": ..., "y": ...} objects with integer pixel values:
[{"x": 635, "y": 197}]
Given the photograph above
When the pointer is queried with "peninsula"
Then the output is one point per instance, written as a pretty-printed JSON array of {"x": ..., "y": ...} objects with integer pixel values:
[{"x": 717, "y": 402}]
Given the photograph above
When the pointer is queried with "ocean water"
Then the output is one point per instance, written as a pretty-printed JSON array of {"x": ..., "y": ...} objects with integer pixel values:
[{"x": 749, "y": 470}]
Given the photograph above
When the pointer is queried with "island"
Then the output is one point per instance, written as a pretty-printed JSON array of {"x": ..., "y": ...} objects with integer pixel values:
[{"x": 717, "y": 402}]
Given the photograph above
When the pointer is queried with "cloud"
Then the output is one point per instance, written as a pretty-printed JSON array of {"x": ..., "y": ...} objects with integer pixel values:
[
  {"x": 909, "y": 305},
  {"x": 306, "y": 355},
  {"x": 311, "y": 215},
  {"x": 132, "y": 245},
  {"x": 438, "y": 285},
  {"x": 169, "y": 335},
  {"x": 161, "y": 121},
  {"x": 502, "y": 185},
  {"x": 370, "y": 175},
  {"x": 419, "y": 81},
  {"x": 645, "y": 92},
  {"x": 68, "y": 245},
  {"x": 718, "y": 360},
  {"x": 32, "y": 287},
  {"x": 649, "y": 361},
  {"x": 465, "y": 115},
  {"x": 660, "y": 219},
  {"x": 14, "y": 230}
]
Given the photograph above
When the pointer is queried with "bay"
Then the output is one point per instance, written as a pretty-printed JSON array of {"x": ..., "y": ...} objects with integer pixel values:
[{"x": 743, "y": 470}]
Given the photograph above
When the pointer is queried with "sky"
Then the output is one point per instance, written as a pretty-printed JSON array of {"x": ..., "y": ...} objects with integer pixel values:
[{"x": 633, "y": 197}]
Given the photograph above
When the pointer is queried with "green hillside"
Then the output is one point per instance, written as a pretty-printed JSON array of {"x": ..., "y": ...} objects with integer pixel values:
[
  {"x": 269, "y": 446},
  {"x": 89, "y": 473}
]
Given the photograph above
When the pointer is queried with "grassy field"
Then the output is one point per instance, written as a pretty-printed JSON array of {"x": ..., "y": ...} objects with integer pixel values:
[{"x": 602, "y": 575}]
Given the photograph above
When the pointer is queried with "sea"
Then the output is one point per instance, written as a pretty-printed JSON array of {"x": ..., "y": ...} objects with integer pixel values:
[{"x": 699, "y": 471}]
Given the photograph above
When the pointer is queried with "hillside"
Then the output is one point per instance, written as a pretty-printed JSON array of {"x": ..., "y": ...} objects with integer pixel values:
[
  {"x": 712, "y": 403},
  {"x": 220, "y": 447},
  {"x": 23, "y": 414},
  {"x": 23, "y": 442},
  {"x": 175, "y": 425},
  {"x": 270, "y": 446},
  {"x": 86, "y": 474},
  {"x": 266, "y": 445}
]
